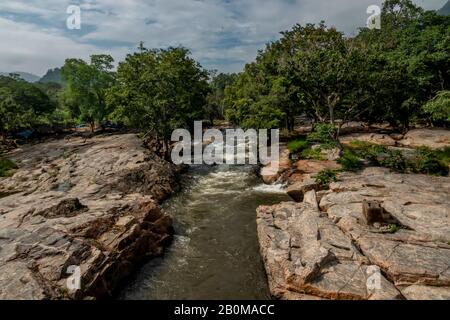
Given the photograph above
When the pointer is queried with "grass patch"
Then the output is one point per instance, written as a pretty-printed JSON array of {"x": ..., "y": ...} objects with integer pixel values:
[
  {"x": 7, "y": 167},
  {"x": 325, "y": 177},
  {"x": 350, "y": 161},
  {"x": 433, "y": 162},
  {"x": 312, "y": 154},
  {"x": 425, "y": 161},
  {"x": 297, "y": 146}
]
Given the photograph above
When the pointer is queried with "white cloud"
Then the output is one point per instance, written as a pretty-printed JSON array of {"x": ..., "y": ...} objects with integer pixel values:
[{"x": 215, "y": 30}]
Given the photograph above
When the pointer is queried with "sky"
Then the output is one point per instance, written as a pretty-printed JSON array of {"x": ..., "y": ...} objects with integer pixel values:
[{"x": 221, "y": 34}]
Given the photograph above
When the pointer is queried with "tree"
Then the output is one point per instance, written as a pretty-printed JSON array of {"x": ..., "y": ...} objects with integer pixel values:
[
  {"x": 159, "y": 91},
  {"x": 439, "y": 107},
  {"x": 87, "y": 84},
  {"x": 379, "y": 75},
  {"x": 22, "y": 105},
  {"x": 215, "y": 100}
]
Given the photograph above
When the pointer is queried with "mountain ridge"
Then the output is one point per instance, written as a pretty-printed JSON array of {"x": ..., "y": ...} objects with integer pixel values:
[
  {"x": 445, "y": 10},
  {"x": 29, "y": 77}
]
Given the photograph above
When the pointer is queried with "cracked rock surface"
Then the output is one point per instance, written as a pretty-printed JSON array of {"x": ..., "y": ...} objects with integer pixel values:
[
  {"x": 324, "y": 249},
  {"x": 90, "y": 204}
]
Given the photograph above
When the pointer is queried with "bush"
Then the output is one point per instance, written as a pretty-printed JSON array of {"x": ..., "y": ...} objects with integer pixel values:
[
  {"x": 297, "y": 146},
  {"x": 312, "y": 154},
  {"x": 443, "y": 155},
  {"x": 393, "y": 228},
  {"x": 350, "y": 161},
  {"x": 6, "y": 167},
  {"x": 430, "y": 162},
  {"x": 439, "y": 107},
  {"x": 395, "y": 161},
  {"x": 323, "y": 133},
  {"x": 368, "y": 151},
  {"x": 325, "y": 177}
]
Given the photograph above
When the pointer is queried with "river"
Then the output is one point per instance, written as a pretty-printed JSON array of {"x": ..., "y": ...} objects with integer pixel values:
[{"x": 215, "y": 253}]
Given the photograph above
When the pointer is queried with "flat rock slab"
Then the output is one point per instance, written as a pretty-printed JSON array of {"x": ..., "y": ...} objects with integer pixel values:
[
  {"x": 306, "y": 253},
  {"x": 329, "y": 252},
  {"x": 432, "y": 138},
  {"x": 374, "y": 138},
  {"x": 90, "y": 204}
]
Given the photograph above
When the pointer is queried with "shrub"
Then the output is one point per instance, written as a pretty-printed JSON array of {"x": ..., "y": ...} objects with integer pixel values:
[
  {"x": 393, "y": 228},
  {"x": 6, "y": 167},
  {"x": 297, "y": 146},
  {"x": 443, "y": 155},
  {"x": 350, "y": 161},
  {"x": 368, "y": 151},
  {"x": 360, "y": 145},
  {"x": 323, "y": 133},
  {"x": 430, "y": 162},
  {"x": 325, "y": 177},
  {"x": 439, "y": 107},
  {"x": 395, "y": 161}
]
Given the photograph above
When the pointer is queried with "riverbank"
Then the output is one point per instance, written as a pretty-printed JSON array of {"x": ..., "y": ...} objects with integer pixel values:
[
  {"x": 371, "y": 234},
  {"x": 90, "y": 203}
]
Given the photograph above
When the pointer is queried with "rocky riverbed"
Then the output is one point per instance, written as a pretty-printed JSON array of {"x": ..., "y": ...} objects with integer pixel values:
[
  {"x": 92, "y": 204},
  {"x": 326, "y": 246}
]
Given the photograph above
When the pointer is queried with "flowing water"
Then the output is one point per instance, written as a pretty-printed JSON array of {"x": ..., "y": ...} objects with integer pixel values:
[{"x": 215, "y": 254}]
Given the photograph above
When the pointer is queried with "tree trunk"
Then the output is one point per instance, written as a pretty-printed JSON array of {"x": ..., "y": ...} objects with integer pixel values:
[{"x": 92, "y": 125}]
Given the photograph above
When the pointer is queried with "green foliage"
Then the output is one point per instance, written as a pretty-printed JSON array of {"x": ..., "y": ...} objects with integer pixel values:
[
  {"x": 439, "y": 107},
  {"x": 159, "y": 91},
  {"x": 443, "y": 155},
  {"x": 427, "y": 161},
  {"x": 375, "y": 76},
  {"x": 350, "y": 161},
  {"x": 87, "y": 85},
  {"x": 324, "y": 134},
  {"x": 22, "y": 105},
  {"x": 297, "y": 146},
  {"x": 6, "y": 167},
  {"x": 431, "y": 162},
  {"x": 393, "y": 228},
  {"x": 214, "y": 108},
  {"x": 393, "y": 160},
  {"x": 312, "y": 154},
  {"x": 325, "y": 177}
]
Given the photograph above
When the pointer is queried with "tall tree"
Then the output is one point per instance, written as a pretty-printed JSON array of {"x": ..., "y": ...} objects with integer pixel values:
[
  {"x": 159, "y": 91},
  {"x": 22, "y": 105},
  {"x": 87, "y": 84}
]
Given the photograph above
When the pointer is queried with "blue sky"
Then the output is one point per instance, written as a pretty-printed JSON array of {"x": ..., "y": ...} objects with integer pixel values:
[{"x": 221, "y": 34}]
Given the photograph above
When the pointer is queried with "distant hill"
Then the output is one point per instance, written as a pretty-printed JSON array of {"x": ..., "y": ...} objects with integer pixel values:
[
  {"x": 52, "y": 75},
  {"x": 29, "y": 77},
  {"x": 445, "y": 9}
]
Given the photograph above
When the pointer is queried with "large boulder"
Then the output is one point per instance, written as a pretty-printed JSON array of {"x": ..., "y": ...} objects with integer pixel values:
[
  {"x": 272, "y": 172},
  {"x": 432, "y": 138},
  {"x": 88, "y": 205},
  {"x": 298, "y": 190}
]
